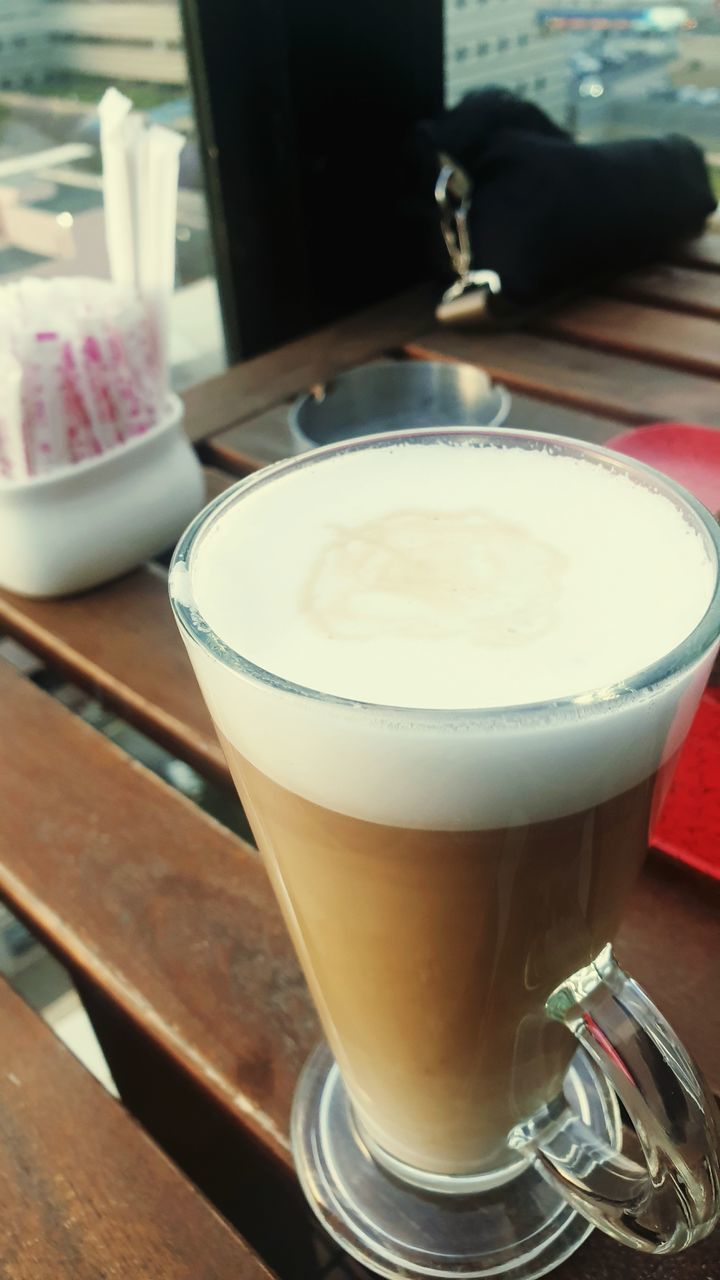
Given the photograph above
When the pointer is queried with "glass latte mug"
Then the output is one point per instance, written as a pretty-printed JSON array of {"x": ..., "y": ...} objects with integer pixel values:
[{"x": 451, "y": 672}]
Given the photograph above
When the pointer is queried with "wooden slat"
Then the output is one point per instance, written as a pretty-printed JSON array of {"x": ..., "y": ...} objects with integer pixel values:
[
  {"x": 165, "y": 910},
  {"x": 171, "y": 933},
  {"x": 85, "y": 1193},
  {"x": 121, "y": 643},
  {"x": 602, "y": 1259},
  {"x": 703, "y": 253},
  {"x": 689, "y": 342},
  {"x": 575, "y": 376},
  {"x": 538, "y": 415},
  {"x": 267, "y": 438},
  {"x": 675, "y": 288},
  {"x": 216, "y": 482},
  {"x": 670, "y": 942},
  {"x": 249, "y": 388},
  {"x": 256, "y": 442},
  {"x": 249, "y": 445}
]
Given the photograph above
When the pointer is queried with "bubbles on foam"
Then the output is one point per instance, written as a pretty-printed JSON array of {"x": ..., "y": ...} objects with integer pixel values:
[{"x": 453, "y": 577}]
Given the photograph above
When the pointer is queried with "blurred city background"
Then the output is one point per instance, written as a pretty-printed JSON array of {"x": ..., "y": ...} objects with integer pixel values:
[
  {"x": 603, "y": 68},
  {"x": 56, "y": 60}
]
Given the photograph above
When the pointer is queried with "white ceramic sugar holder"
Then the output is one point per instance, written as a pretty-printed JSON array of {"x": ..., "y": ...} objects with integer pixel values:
[{"x": 85, "y": 523}]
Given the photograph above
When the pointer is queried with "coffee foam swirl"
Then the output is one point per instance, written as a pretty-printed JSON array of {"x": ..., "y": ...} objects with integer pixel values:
[{"x": 428, "y": 575}]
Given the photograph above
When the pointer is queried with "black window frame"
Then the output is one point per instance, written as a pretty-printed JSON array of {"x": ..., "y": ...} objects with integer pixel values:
[{"x": 305, "y": 112}]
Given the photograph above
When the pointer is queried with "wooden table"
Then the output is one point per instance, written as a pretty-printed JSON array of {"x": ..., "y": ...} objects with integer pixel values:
[{"x": 164, "y": 917}]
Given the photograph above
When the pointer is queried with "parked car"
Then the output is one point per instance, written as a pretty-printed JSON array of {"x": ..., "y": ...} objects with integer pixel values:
[
  {"x": 708, "y": 97},
  {"x": 591, "y": 88},
  {"x": 689, "y": 93},
  {"x": 583, "y": 64}
]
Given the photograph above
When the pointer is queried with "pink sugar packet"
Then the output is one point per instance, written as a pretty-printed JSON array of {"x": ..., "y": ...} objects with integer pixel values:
[{"x": 14, "y": 462}]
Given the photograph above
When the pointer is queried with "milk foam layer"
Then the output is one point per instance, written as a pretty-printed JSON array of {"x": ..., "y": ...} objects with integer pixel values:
[
  {"x": 450, "y": 576},
  {"x": 453, "y": 577}
]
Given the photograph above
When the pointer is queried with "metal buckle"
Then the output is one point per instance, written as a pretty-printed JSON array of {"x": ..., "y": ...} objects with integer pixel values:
[{"x": 453, "y": 193}]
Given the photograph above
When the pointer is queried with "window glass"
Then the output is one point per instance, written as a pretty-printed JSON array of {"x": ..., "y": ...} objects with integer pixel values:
[
  {"x": 57, "y": 58},
  {"x": 603, "y": 68}
]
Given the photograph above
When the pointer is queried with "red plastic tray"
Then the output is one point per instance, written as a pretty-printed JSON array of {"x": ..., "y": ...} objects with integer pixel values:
[
  {"x": 690, "y": 455},
  {"x": 689, "y": 824},
  {"x": 688, "y": 827}
]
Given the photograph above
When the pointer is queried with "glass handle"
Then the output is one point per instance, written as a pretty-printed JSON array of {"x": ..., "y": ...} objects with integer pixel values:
[{"x": 670, "y": 1196}]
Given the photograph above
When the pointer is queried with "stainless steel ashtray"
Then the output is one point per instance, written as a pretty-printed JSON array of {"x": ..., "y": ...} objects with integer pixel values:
[{"x": 395, "y": 395}]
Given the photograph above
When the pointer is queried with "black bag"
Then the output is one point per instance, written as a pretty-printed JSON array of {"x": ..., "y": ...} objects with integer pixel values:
[{"x": 544, "y": 213}]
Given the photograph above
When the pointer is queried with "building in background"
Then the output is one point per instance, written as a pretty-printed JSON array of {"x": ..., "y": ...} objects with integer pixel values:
[
  {"x": 501, "y": 42},
  {"x": 57, "y": 57},
  {"x": 119, "y": 39},
  {"x": 41, "y": 40},
  {"x": 643, "y": 69},
  {"x": 25, "y": 43}
]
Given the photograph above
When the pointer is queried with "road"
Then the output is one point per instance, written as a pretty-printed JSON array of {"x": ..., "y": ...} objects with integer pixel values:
[{"x": 606, "y": 118}]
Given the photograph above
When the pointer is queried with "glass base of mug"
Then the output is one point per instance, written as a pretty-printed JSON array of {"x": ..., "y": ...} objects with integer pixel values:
[{"x": 511, "y": 1224}]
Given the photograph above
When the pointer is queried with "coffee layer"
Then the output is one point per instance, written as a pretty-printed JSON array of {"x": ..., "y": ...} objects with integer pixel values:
[{"x": 430, "y": 956}]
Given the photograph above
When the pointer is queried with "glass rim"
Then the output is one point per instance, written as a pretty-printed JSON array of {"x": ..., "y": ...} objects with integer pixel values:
[{"x": 681, "y": 657}]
